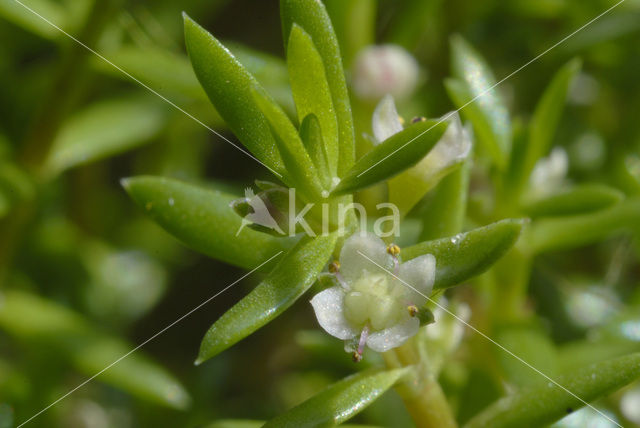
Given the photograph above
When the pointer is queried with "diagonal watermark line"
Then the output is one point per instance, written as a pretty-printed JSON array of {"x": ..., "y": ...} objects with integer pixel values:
[
  {"x": 150, "y": 339},
  {"x": 153, "y": 91},
  {"x": 491, "y": 340},
  {"x": 447, "y": 116}
]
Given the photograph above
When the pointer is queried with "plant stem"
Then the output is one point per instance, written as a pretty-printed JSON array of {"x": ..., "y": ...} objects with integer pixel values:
[{"x": 422, "y": 395}]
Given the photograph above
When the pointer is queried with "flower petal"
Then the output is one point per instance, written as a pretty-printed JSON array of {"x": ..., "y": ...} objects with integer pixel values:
[
  {"x": 328, "y": 306},
  {"x": 386, "y": 121},
  {"x": 353, "y": 263},
  {"x": 418, "y": 274},
  {"x": 392, "y": 337}
]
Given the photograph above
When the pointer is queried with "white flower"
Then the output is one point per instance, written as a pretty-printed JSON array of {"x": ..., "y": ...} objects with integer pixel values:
[
  {"x": 452, "y": 148},
  {"x": 370, "y": 303},
  {"x": 549, "y": 173},
  {"x": 385, "y": 69}
]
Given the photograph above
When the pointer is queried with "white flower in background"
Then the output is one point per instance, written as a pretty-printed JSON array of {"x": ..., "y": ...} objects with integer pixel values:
[
  {"x": 452, "y": 148},
  {"x": 549, "y": 173},
  {"x": 385, "y": 69},
  {"x": 370, "y": 305}
]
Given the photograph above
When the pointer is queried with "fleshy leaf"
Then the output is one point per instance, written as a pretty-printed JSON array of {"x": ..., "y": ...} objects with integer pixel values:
[
  {"x": 106, "y": 128},
  {"x": 46, "y": 324},
  {"x": 203, "y": 220},
  {"x": 292, "y": 276},
  {"x": 541, "y": 405},
  {"x": 340, "y": 401},
  {"x": 444, "y": 214},
  {"x": 392, "y": 156},
  {"x": 312, "y": 17},
  {"x": 311, "y": 90},
  {"x": 487, "y": 113},
  {"x": 573, "y": 231},
  {"x": 295, "y": 157},
  {"x": 577, "y": 200},
  {"x": 468, "y": 254},
  {"x": 311, "y": 136},
  {"x": 546, "y": 116},
  {"x": 229, "y": 86}
]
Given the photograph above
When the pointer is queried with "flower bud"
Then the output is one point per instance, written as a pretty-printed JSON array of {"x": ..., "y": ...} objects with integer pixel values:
[{"x": 382, "y": 70}]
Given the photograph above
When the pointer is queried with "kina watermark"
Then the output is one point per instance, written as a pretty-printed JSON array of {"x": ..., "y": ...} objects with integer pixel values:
[{"x": 279, "y": 211}]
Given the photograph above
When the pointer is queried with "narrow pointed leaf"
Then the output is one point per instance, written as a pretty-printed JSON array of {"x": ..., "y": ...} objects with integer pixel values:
[
  {"x": 487, "y": 112},
  {"x": 468, "y": 254},
  {"x": 45, "y": 324},
  {"x": 203, "y": 220},
  {"x": 311, "y": 136},
  {"x": 392, "y": 156},
  {"x": 541, "y": 405},
  {"x": 546, "y": 116},
  {"x": 293, "y": 275},
  {"x": 577, "y": 200},
  {"x": 104, "y": 129},
  {"x": 312, "y": 17},
  {"x": 444, "y": 214},
  {"x": 311, "y": 91},
  {"x": 340, "y": 401},
  {"x": 573, "y": 231},
  {"x": 296, "y": 159},
  {"x": 229, "y": 85}
]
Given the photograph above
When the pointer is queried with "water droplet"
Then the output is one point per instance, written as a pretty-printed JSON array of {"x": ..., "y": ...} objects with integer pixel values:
[{"x": 171, "y": 201}]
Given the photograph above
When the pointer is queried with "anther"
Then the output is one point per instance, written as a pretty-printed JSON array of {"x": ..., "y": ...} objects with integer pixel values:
[
  {"x": 393, "y": 249},
  {"x": 418, "y": 119},
  {"x": 334, "y": 266},
  {"x": 357, "y": 357},
  {"x": 413, "y": 310}
]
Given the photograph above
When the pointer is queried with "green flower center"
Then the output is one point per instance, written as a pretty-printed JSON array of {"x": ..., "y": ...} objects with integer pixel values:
[{"x": 371, "y": 299}]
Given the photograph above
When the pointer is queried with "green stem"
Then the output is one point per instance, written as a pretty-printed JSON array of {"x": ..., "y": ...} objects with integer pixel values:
[{"x": 422, "y": 394}]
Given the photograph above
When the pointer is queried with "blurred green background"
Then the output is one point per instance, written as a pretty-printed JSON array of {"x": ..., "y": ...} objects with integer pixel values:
[{"x": 85, "y": 276}]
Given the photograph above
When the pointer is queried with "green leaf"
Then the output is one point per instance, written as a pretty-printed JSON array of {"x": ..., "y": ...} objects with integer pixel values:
[
  {"x": 340, "y": 401},
  {"x": 311, "y": 90},
  {"x": 229, "y": 86},
  {"x": 577, "y": 230},
  {"x": 487, "y": 113},
  {"x": 468, "y": 254},
  {"x": 292, "y": 276},
  {"x": 541, "y": 405},
  {"x": 55, "y": 12},
  {"x": 311, "y": 136},
  {"x": 45, "y": 324},
  {"x": 546, "y": 117},
  {"x": 534, "y": 347},
  {"x": 312, "y": 17},
  {"x": 392, "y": 156},
  {"x": 444, "y": 214},
  {"x": 104, "y": 129},
  {"x": 300, "y": 169},
  {"x": 580, "y": 199},
  {"x": 203, "y": 220}
]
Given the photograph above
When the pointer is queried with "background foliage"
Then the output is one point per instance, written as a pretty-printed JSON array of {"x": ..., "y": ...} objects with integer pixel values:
[{"x": 86, "y": 275}]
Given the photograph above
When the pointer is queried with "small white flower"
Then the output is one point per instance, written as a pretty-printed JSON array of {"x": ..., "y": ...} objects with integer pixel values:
[
  {"x": 369, "y": 302},
  {"x": 385, "y": 69},
  {"x": 549, "y": 173},
  {"x": 453, "y": 148}
]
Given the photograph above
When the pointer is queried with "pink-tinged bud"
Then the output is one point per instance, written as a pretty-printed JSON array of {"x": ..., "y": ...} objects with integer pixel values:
[{"x": 382, "y": 70}]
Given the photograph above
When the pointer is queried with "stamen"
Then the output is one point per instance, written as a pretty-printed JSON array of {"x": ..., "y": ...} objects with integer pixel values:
[
  {"x": 357, "y": 356},
  {"x": 334, "y": 268},
  {"x": 413, "y": 310},
  {"x": 394, "y": 250}
]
